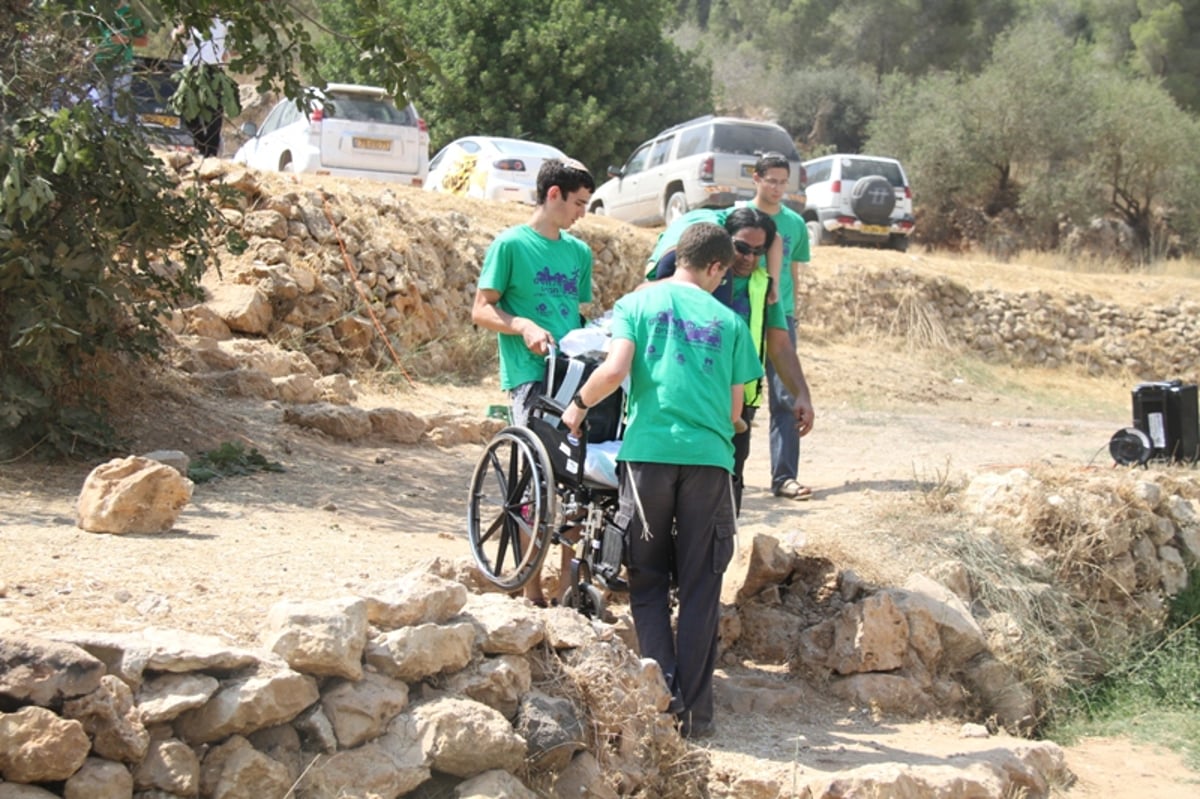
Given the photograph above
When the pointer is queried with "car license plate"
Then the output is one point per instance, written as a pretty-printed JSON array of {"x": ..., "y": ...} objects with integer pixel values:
[
  {"x": 165, "y": 120},
  {"x": 879, "y": 230},
  {"x": 379, "y": 145}
]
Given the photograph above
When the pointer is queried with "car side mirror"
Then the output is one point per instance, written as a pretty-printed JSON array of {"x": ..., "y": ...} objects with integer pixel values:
[
  {"x": 250, "y": 129},
  {"x": 616, "y": 172}
]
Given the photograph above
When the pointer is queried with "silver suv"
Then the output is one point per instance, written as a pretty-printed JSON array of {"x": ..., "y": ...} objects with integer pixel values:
[
  {"x": 858, "y": 199},
  {"x": 705, "y": 163}
]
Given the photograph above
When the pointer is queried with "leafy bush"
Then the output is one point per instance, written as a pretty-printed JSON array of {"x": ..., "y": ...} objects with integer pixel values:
[
  {"x": 98, "y": 240},
  {"x": 229, "y": 459}
]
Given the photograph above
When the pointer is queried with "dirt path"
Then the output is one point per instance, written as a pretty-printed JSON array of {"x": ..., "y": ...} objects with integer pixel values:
[{"x": 890, "y": 431}]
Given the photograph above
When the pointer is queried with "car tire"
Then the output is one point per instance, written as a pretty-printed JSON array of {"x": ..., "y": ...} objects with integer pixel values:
[
  {"x": 815, "y": 232},
  {"x": 899, "y": 243},
  {"x": 287, "y": 164},
  {"x": 597, "y": 209},
  {"x": 676, "y": 207},
  {"x": 873, "y": 199}
]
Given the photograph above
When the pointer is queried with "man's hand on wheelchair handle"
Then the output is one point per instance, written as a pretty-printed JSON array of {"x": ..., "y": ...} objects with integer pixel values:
[
  {"x": 537, "y": 339},
  {"x": 572, "y": 419}
]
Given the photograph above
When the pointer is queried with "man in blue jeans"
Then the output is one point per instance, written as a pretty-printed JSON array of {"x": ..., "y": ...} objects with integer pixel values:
[
  {"x": 688, "y": 358},
  {"x": 771, "y": 175}
]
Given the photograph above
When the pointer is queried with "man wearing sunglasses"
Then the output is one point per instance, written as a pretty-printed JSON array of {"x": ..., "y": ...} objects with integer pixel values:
[
  {"x": 772, "y": 174},
  {"x": 746, "y": 288}
]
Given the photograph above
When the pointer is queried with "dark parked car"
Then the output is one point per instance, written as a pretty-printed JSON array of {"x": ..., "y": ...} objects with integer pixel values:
[{"x": 153, "y": 82}]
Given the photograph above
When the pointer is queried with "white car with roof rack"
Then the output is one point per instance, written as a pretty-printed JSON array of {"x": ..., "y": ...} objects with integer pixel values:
[{"x": 707, "y": 162}]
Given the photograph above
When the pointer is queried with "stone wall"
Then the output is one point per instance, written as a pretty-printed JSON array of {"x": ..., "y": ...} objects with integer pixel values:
[
  {"x": 417, "y": 688},
  {"x": 343, "y": 278},
  {"x": 1027, "y": 327}
]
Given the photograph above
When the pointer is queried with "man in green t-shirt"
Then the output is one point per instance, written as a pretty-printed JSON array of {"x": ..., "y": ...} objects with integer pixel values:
[
  {"x": 771, "y": 174},
  {"x": 746, "y": 289},
  {"x": 688, "y": 358},
  {"x": 534, "y": 278}
]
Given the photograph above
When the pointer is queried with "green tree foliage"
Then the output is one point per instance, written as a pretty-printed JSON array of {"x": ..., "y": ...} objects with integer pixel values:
[
  {"x": 593, "y": 79},
  {"x": 826, "y": 110},
  {"x": 1046, "y": 131},
  {"x": 97, "y": 237},
  {"x": 1166, "y": 42}
]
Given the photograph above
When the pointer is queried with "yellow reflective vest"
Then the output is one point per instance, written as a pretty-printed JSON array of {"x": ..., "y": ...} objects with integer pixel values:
[{"x": 760, "y": 283}]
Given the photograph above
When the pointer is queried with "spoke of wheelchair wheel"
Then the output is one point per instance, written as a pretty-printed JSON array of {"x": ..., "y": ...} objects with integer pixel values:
[{"x": 498, "y": 472}]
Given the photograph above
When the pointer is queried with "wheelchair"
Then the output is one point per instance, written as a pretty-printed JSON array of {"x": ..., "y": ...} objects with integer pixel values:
[{"x": 531, "y": 488}]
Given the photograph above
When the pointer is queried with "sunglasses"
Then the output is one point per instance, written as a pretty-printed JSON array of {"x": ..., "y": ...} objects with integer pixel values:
[{"x": 745, "y": 249}]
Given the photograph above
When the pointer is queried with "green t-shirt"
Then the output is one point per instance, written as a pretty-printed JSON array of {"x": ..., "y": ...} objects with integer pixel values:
[
  {"x": 791, "y": 227},
  {"x": 670, "y": 237},
  {"x": 125, "y": 24},
  {"x": 690, "y": 350},
  {"x": 539, "y": 279}
]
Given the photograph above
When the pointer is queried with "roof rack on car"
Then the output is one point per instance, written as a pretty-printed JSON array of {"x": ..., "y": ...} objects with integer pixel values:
[{"x": 704, "y": 118}]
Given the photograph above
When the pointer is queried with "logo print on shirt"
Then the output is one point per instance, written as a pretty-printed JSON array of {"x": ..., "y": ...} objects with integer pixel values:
[
  {"x": 687, "y": 331},
  {"x": 556, "y": 283}
]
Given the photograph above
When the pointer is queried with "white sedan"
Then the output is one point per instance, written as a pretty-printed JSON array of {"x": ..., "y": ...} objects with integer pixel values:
[
  {"x": 349, "y": 131},
  {"x": 490, "y": 167}
]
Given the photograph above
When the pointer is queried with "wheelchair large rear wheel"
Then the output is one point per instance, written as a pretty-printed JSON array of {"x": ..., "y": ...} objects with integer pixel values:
[{"x": 512, "y": 498}]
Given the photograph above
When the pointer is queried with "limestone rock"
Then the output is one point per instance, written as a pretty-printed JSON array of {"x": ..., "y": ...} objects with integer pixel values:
[
  {"x": 466, "y": 738},
  {"x": 128, "y": 655},
  {"x": 164, "y": 698},
  {"x": 45, "y": 672},
  {"x": 236, "y": 770},
  {"x": 397, "y": 425},
  {"x": 247, "y": 704},
  {"x": 170, "y": 765},
  {"x": 99, "y": 779},
  {"x": 414, "y": 653},
  {"x": 498, "y": 682},
  {"x": 246, "y": 309},
  {"x": 132, "y": 495},
  {"x": 324, "y": 638},
  {"x": 108, "y": 716},
  {"x": 418, "y": 597},
  {"x": 337, "y": 421},
  {"x": 38, "y": 746},
  {"x": 362, "y": 710},
  {"x": 491, "y": 784},
  {"x": 506, "y": 627}
]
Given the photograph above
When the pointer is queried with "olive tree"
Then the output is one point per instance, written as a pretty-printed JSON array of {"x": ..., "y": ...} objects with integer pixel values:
[
  {"x": 593, "y": 79},
  {"x": 98, "y": 237}
]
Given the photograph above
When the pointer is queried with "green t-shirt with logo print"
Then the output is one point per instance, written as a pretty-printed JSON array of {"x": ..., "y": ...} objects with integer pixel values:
[
  {"x": 540, "y": 279},
  {"x": 690, "y": 350}
]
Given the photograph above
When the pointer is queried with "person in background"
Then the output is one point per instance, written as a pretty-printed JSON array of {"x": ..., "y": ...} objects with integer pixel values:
[
  {"x": 207, "y": 51},
  {"x": 688, "y": 358},
  {"x": 535, "y": 277},
  {"x": 772, "y": 172},
  {"x": 746, "y": 289},
  {"x": 119, "y": 34}
]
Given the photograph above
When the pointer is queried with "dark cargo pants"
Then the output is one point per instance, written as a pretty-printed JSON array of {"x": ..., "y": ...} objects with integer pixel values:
[{"x": 685, "y": 538}]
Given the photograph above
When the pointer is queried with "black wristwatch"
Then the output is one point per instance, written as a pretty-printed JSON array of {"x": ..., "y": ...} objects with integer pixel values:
[{"x": 577, "y": 401}]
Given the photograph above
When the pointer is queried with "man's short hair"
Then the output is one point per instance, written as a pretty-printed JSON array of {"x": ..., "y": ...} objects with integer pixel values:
[
  {"x": 747, "y": 217},
  {"x": 569, "y": 175},
  {"x": 771, "y": 160},
  {"x": 703, "y": 243}
]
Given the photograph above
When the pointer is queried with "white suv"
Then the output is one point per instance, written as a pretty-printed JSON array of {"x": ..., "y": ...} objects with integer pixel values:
[
  {"x": 858, "y": 199},
  {"x": 705, "y": 163}
]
